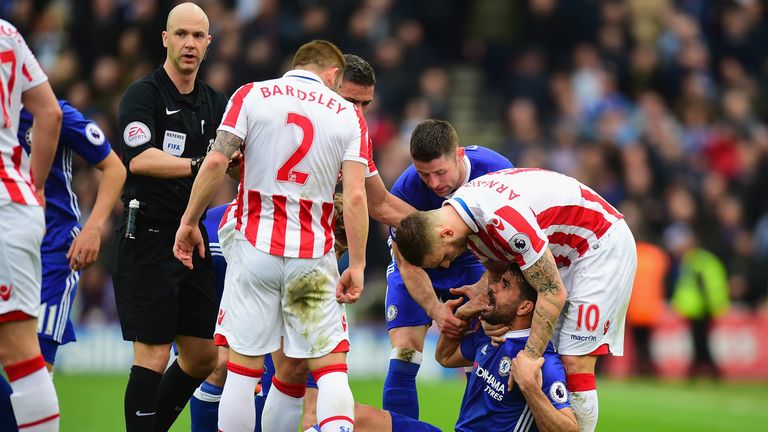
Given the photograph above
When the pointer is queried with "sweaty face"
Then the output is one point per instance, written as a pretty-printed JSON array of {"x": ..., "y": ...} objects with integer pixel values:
[
  {"x": 360, "y": 96},
  {"x": 187, "y": 39},
  {"x": 442, "y": 175},
  {"x": 505, "y": 297}
]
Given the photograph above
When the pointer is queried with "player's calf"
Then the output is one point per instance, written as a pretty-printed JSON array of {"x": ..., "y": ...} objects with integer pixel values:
[{"x": 34, "y": 400}]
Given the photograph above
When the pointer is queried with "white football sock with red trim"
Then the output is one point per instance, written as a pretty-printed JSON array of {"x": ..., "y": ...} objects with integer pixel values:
[
  {"x": 282, "y": 410},
  {"x": 236, "y": 409},
  {"x": 335, "y": 404},
  {"x": 34, "y": 400},
  {"x": 584, "y": 402}
]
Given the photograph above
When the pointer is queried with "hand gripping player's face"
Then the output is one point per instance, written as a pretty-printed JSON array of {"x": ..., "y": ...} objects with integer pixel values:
[
  {"x": 186, "y": 37},
  {"x": 444, "y": 174}
]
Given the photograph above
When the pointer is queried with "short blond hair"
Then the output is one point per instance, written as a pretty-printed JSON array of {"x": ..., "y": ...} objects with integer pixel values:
[{"x": 320, "y": 53}]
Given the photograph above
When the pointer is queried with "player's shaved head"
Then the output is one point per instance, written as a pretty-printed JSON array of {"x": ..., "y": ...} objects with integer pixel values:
[{"x": 183, "y": 12}]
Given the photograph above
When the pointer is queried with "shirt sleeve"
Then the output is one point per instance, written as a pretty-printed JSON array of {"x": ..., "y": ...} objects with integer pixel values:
[
  {"x": 470, "y": 343},
  {"x": 515, "y": 229},
  {"x": 235, "y": 120},
  {"x": 357, "y": 147},
  {"x": 553, "y": 381},
  {"x": 371, "y": 170},
  {"x": 136, "y": 119},
  {"x": 84, "y": 136},
  {"x": 31, "y": 71}
]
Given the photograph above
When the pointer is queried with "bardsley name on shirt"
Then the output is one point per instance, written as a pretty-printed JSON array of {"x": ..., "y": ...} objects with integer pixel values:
[{"x": 317, "y": 97}]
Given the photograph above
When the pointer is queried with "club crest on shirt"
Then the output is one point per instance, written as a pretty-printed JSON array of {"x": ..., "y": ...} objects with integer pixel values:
[
  {"x": 504, "y": 366},
  {"x": 558, "y": 392},
  {"x": 28, "y": 137},
  {"x": 94, "y": 134},
  {"x": 136, "y": 134},
  {"x": 520, "y": 242},
  {"x": 391, "y": 312}
]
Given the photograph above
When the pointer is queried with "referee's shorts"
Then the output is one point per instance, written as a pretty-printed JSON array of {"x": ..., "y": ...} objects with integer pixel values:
[{"x": 157, "y": 297}]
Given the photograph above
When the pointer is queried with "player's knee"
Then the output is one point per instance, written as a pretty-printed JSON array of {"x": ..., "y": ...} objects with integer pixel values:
[
  {"x": 579, "y": 363},
  {"x": 154, "y": 357},
  {"x": 293, "y": 371},
  {"x": 411, "y": 338}
]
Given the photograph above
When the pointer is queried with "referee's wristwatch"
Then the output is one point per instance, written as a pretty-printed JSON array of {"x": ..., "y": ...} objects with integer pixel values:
[{"x": 195, "y": 164}]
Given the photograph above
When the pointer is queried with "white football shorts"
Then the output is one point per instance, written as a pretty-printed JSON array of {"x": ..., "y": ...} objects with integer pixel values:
[
  {"x": 599, "y": 286},
  {"x": 267, "y": 296},
  {"x": 22, "y": 228}
]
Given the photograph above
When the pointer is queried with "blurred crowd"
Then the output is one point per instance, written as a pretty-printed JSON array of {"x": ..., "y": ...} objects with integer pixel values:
[{"x": 659, "y": 105}]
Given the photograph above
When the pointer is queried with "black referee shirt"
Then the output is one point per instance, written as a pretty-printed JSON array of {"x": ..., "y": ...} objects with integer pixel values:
[{"x": 153, "y": 113}]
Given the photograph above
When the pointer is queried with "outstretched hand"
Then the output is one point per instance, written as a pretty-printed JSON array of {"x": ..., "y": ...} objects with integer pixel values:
[{"x": 188, "y": 238}]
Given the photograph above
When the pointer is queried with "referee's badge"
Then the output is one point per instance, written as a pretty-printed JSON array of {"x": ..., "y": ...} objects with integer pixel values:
[
  {"x": 174, "y": 142},
  {"x": 136, "y": 134}
]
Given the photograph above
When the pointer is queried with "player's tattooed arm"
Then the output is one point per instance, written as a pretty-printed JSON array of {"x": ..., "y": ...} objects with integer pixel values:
[
  {"x": 227, "y": 144},
  {"x": 544, "y": 276}
]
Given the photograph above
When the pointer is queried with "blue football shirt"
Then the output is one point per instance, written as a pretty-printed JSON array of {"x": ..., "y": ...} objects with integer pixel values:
[
  {"x": 78, "y": 136},
  {"x": 487, "y": 403}
]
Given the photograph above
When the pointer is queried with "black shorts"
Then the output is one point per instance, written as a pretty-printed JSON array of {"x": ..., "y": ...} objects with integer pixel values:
[{"x": 157, "y": 297}]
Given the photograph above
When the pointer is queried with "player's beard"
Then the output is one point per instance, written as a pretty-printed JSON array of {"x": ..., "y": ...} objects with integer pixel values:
[{"x": 500, "y": 313}]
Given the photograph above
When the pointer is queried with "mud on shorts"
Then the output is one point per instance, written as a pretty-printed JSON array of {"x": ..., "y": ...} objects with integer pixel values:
[{"x": 268, "y": 296}]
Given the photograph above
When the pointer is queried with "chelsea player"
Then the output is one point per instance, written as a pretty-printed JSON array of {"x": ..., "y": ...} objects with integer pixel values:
[
  {"x": 440, "y": 166},
  {"x": 538, "y": 402},
  {"x": 67, "y": 248}
]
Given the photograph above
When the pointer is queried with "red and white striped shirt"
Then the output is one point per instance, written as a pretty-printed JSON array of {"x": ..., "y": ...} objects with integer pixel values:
[
  {"x": 516, "y": 213},
  {"x": 297, "y": 133},
  {"x": 19, "y": 72}
]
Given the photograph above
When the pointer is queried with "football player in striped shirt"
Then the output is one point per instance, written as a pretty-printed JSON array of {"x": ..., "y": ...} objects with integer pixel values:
[
  {"x": 572, "y": 246},
  {"x": 67, "y": 248},
  {"x": 22, "y": 224}
]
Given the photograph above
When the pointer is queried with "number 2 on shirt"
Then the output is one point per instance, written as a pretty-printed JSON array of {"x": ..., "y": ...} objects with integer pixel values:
[
  {"x": 5, "y": 100},
  {"x": 286, "y": 172}
]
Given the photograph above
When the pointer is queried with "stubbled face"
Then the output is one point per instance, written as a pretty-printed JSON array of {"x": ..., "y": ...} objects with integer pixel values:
[
  {"x": 359, "y": 95},
  {"x": 505, "y": 298},
  {"x": 186, "y": 39},
  {"x": 443, "y": 175},
  {"x": 443, "y": 253}
]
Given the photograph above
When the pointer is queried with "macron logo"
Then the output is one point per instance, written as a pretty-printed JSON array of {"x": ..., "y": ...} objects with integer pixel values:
[
  {"x": 169, "y": 112},
  {"x": 5, "y": 292}
]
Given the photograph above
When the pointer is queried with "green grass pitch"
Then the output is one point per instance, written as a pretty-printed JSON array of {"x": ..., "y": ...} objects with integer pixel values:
[{"x": 95, "y": 404}]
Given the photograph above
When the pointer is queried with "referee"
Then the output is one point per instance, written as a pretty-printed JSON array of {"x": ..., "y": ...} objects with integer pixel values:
[{"x": 167, "y": 119}]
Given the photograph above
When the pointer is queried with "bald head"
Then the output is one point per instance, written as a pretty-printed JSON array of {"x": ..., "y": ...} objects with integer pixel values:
[
  {"x": 186, "y": 37},
  {"x": 186, "y": 12}
]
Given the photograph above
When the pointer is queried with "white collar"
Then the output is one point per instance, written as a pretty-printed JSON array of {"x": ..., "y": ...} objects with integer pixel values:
[
  {"x": 468, "y": 166},
  {"x": 304, "y": 75},
  {"x": 516, "y": 334}
]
